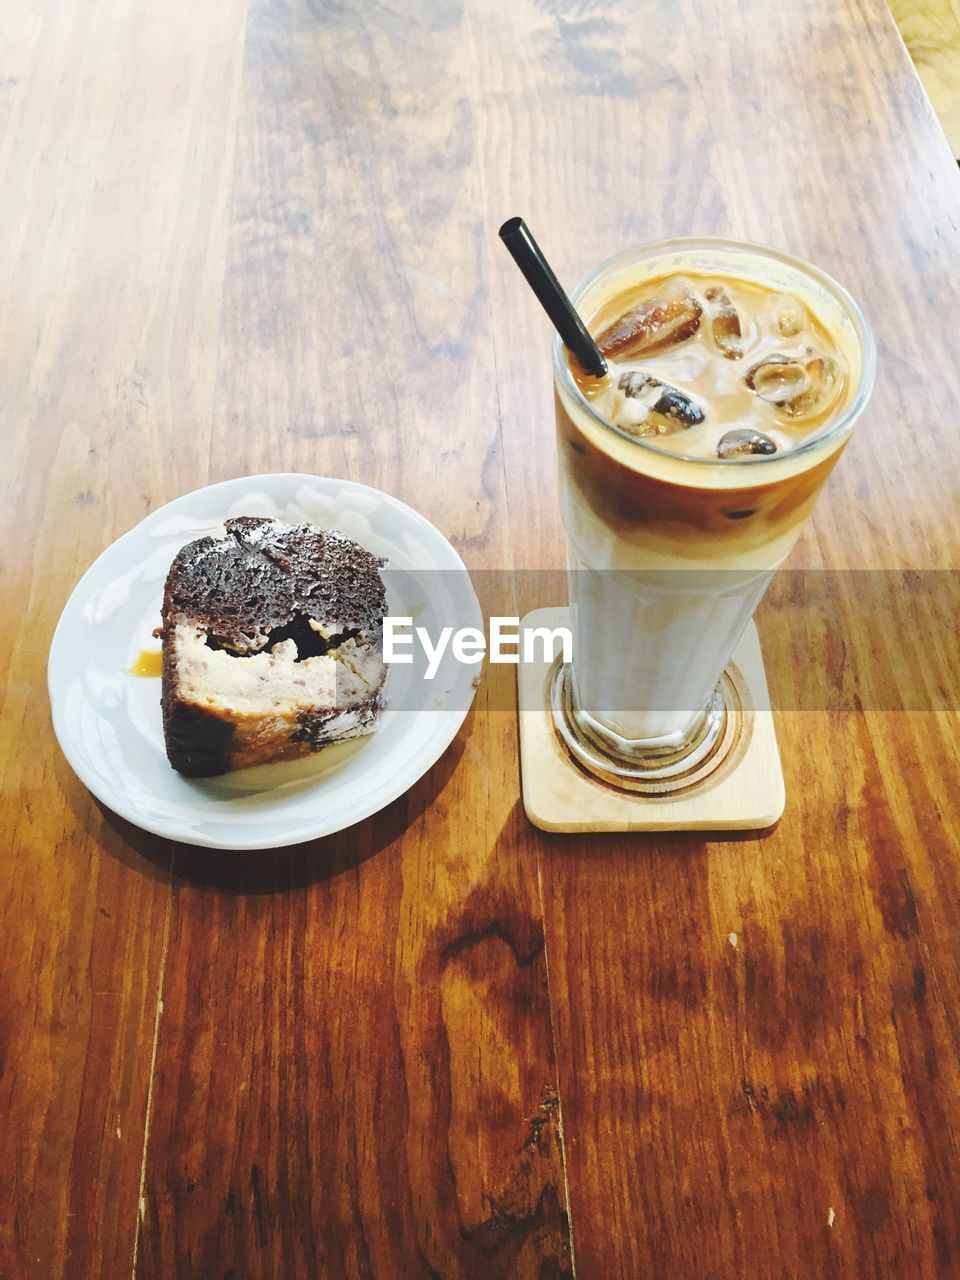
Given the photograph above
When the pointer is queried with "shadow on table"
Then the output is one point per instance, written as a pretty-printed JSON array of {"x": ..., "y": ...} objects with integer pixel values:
[
  {"x": 681, "y": 844},
  {"x": 272, "y": 870}
]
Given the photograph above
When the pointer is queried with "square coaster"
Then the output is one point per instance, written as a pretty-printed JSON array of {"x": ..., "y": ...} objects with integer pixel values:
[{"x": 744, "y": 793}]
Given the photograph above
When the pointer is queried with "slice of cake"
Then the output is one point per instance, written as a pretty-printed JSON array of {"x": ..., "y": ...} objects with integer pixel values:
[{"x": 272, "y": 645}]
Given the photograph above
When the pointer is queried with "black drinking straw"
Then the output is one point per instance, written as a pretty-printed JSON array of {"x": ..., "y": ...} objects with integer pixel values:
[{"x": 526, "y": 253}]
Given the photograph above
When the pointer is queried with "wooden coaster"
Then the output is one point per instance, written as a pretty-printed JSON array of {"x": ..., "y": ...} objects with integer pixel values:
[{"x": 744, "y": 793}]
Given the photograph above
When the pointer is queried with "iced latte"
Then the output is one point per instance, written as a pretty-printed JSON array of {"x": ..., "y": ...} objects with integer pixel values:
[{"x": 734, "y": 378}]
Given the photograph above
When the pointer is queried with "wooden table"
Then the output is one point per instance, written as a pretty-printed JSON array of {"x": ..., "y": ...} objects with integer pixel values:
[{"x": 244, "y": 236}]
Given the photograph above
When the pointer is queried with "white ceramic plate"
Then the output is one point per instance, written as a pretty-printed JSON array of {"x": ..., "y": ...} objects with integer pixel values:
[{"x": 108, "y": 722}]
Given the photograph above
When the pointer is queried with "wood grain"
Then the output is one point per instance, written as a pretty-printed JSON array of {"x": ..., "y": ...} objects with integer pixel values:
[
  {"x": 115, "y": 126},
  {"x": 931, "y": 32},
  {"x": 758, "y": 1039},
  {"x": 244, "y": 237},
  {"x": 382, "y": 1099}
]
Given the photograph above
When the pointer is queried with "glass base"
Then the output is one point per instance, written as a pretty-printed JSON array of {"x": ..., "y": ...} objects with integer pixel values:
[{"x": 651, "y": 767}]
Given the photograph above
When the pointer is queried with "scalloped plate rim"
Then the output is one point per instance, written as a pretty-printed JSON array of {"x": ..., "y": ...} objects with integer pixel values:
[{"x": 448, "y": 720}]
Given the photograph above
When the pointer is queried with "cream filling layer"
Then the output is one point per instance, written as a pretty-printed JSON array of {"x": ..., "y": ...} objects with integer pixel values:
[{"x": 273, "y": 681}]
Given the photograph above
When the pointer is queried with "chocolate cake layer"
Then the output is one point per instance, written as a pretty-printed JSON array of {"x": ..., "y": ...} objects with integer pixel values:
[{"x": 264, "y": 575}]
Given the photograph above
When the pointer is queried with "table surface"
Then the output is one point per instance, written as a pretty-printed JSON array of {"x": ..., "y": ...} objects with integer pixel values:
[{"x": 260, "y": 235}]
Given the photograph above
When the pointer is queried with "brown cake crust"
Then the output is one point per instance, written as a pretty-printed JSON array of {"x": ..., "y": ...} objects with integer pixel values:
[
  {"x": 243, "y": 589},
  {"x": 245, "y": 593}
]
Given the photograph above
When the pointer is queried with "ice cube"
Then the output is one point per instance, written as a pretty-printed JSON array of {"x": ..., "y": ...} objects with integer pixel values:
[
  {"x": 662, "y": 321},
  {"x": 776, "y": 377},
  {"x": 743, "y": 441},
  {"x": 796, "y": 384},
  {"x": 790, "y": 317},
  {"x": 652, "y": 408},
  {"x": 724, "y": 322}
]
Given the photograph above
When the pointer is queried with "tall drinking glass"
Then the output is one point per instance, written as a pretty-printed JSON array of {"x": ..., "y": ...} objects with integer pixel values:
[{"x": 669, "y": 553}]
